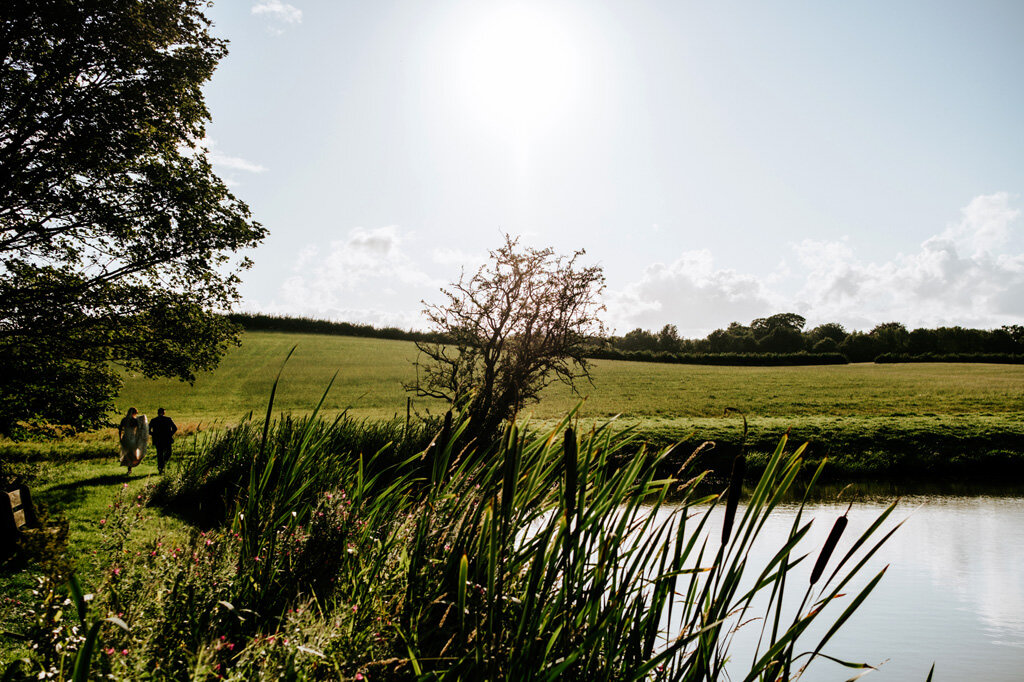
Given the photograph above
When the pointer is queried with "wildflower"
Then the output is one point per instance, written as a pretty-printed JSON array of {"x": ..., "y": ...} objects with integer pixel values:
[
  {"x": 102, "y": 521},
  {"x": 124, "y": 652}
]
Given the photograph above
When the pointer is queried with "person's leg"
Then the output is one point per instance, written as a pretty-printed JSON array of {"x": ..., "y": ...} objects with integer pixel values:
[{"x": 163, "y": 455}]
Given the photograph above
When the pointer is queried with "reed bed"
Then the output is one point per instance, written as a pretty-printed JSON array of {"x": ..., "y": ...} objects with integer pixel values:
[{"x": 334, "y": 555}]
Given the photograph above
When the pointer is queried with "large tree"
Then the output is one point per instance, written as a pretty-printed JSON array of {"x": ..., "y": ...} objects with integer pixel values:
[
  {"x": 520, "y": 322},
  {"x": 116, "y": 237}
]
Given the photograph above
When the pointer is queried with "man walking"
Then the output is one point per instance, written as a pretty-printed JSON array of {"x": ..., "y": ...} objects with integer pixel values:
[{"x": 163, "y": 429}]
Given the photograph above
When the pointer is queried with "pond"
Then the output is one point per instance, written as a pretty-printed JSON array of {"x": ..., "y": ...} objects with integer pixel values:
[{"x": 953, "y": 593}]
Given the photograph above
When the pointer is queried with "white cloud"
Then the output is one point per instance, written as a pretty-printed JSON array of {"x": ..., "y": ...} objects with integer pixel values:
[
  {"x": 967, "y": 274},
  {"x": 448, "y": 256},
  {"x": 690, "y": 293},
  {"x": 956, "y": 277},
  {"x": 278, "y": 13},
  {"x": 208, "y": 147},
  {"x": 235, "y": 163},
  {"x": 986, "y": 224},
  {"x": 356, "y": 278},
  {"x": 222, "y": 162}
]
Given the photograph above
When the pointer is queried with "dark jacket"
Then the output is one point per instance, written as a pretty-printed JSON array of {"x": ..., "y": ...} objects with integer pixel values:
[{"x": 162, "y": 429}]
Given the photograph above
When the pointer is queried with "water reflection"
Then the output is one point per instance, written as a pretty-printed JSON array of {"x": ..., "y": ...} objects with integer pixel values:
[{"x": 953, "y": 593}]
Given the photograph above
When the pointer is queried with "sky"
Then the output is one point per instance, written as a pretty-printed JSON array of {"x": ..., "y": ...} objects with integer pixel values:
[{"x": 851, "y": 162}]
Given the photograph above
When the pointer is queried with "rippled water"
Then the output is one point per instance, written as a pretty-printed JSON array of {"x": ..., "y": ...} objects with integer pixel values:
[{"x": 953, "y": 593}]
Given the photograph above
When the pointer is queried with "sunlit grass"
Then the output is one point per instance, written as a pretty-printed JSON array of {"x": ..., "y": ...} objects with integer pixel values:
[{"x": 371, "y": 373}]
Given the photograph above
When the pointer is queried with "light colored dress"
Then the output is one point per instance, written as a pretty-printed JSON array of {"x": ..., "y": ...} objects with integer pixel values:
[{"x": 134, "y": 441}]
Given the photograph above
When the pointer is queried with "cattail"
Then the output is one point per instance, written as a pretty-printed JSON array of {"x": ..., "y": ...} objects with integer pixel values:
[
  {"x": 829, "y": 547},
  {"x": 571, "y": 462},
  {"x": 739, "y": 467}
]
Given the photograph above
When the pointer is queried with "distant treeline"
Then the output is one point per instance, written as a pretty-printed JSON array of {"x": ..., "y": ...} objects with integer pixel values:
[
  {"x": 743, "y": 359},
  {"x": 776, "y": 340},
  {"x": 784, "y": 334},
  {"x": 1002, "y": 358},
  {"x": 309, "y": 325}
]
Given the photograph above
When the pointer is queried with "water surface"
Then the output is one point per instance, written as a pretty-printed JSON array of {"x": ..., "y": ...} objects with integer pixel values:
[{"x": 953, "y": 593}]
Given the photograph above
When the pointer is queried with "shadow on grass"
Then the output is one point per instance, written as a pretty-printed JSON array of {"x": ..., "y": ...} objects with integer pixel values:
[{"x": 74, "y": 493}]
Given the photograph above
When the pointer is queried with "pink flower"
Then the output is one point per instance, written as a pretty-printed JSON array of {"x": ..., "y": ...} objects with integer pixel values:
[
  {"x": 102, "y": 521},
  {"x": 359, "y": 676},
  {"x": 124, "y": 652}
]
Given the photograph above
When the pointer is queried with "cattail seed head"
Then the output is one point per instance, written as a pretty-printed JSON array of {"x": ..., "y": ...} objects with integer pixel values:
[{"x": 828, "y": 548}]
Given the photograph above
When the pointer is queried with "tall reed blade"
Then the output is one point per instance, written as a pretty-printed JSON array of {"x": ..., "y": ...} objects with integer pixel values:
[
  {"x": 571, "y": 455},
  {"x": 739, "y": 469}
]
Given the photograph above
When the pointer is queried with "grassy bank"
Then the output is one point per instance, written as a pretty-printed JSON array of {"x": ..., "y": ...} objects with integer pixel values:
[{"x": 531, "y": 558}]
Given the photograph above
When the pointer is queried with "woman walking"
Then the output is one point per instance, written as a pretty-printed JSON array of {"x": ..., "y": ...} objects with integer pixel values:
[{"x": 133, "y": 434}]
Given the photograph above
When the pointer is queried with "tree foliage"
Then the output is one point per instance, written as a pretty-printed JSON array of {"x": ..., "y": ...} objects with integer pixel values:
[
  {"x": 116, "y": 236},
  {"x": 520, "y": 322}
]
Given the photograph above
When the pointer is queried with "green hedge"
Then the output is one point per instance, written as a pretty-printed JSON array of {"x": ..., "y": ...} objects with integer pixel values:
[
  {"x": 740, "y": 359},
  {"x": 1000, "y": 358},
  {"x": 309, "y": 325}
]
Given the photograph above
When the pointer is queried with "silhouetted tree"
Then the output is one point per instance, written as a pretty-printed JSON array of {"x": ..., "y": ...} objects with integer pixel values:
[
  {"x": 890, "y": 337},
  {"x": 859, "y": 347},
  {"x": 826, "y": 345},
  {"x": 519, "y": 323},
  {"x": 829, "y": 330},
  {"x": 763, "y": 326},
  {"x": 638, "y": 339},
  {"x": 736, "y": 338},
  {"x": 781, "y": 340},
  {"x": 668, "y": 339},
  {"x": 115, "y": 234}
]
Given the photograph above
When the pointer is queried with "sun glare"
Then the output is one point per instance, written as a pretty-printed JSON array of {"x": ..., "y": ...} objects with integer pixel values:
[{"x": 519, "y": 70}]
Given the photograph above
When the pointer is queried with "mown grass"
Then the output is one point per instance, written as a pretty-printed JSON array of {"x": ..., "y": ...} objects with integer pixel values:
[
  {"x": 371, "y": 373},
  {"x": 887, "y": 419}
]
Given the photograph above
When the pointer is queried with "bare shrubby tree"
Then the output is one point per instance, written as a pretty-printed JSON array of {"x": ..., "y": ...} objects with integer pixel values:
[{"x": 518, "y": 324}]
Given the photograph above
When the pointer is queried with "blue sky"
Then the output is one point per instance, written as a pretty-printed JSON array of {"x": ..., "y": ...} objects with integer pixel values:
[{"x": 857, "y": 162}]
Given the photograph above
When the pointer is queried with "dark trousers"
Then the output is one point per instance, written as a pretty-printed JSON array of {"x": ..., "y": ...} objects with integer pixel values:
[{"x": 163, "y": 455}]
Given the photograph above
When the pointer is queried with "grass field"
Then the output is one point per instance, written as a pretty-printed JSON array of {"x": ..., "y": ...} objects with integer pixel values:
[
  {"x": 371, "y": 373},
  {"x": 881, "y": 419}
]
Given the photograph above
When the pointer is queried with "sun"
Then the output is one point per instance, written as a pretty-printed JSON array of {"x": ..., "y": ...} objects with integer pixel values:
[{"x": 519, "y": 69}]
